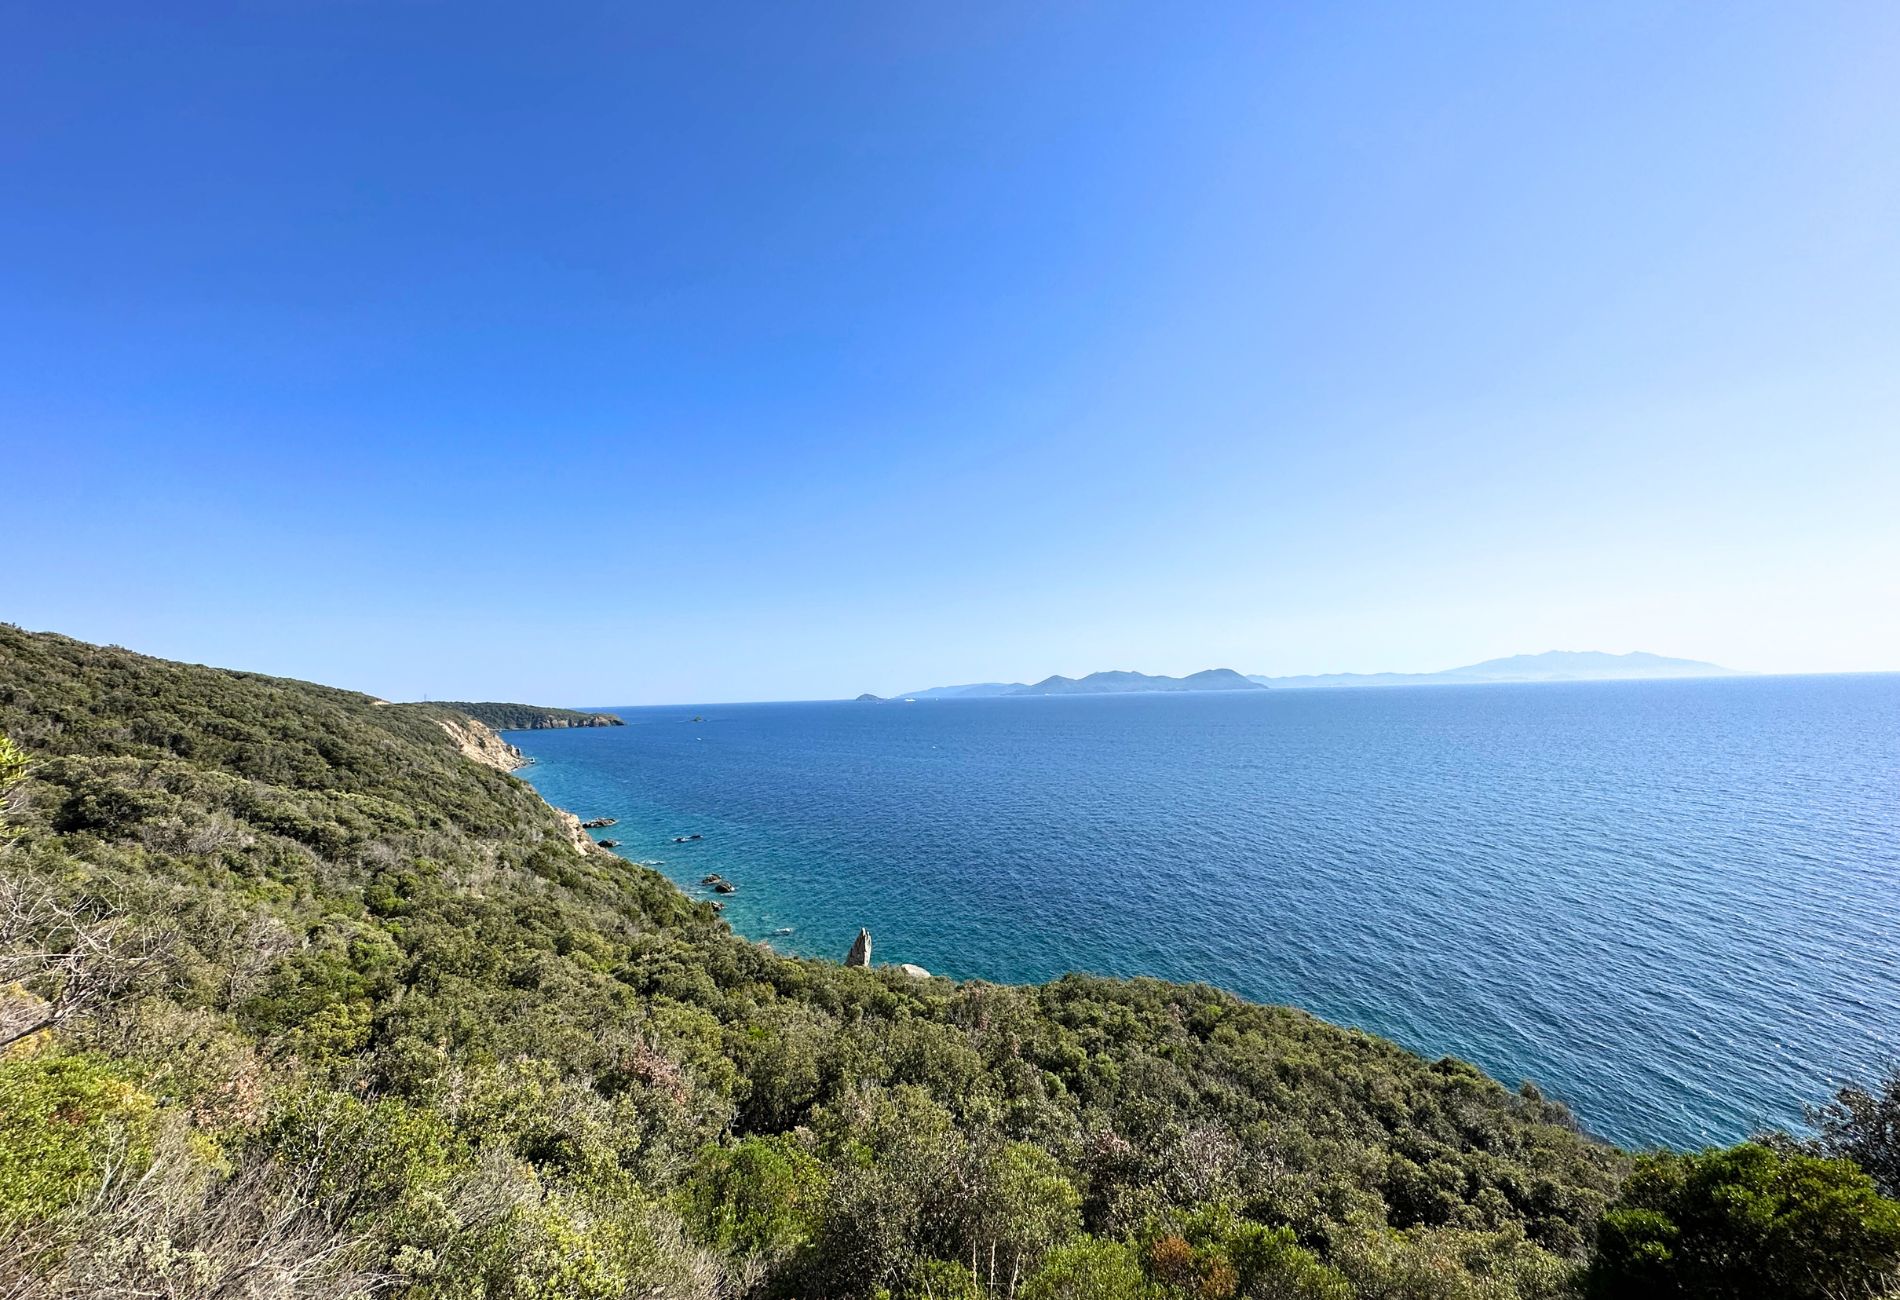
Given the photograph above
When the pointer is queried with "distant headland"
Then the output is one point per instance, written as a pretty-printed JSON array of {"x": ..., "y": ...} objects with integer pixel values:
[
  {"x": 530, "y": 717},
  {"x": 1551, "y": 666}
]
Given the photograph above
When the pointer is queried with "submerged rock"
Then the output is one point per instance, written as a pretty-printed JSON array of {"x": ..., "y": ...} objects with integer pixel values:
[
  {"x": 610, "y": 844},
  {"x": 860, "y": 954},
  {"x": 598, "y": 822},
  {"x": 713, "y": 879}
]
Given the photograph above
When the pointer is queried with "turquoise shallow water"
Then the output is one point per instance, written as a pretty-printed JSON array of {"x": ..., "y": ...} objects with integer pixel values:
[{"x": 1675, "y": 905}]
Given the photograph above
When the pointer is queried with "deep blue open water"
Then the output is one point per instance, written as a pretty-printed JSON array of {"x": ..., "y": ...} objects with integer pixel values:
[{"x": 1675, "y": 905}]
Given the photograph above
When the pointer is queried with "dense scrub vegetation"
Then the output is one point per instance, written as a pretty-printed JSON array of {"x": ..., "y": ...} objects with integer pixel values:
[
  {"x": 295, "y": 1000},
  {"x": 530, "y": 717}
]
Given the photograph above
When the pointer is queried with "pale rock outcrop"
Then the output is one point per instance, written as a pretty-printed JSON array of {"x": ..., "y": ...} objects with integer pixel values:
[
  {"x": 915, "y": 972},
  {"x": 583, "y": 842},
  {"x": 477, "y": 740},
  {"x": 860, "y": 954}
]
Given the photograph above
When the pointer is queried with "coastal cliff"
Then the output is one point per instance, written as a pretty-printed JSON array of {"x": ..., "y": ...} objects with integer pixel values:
[
  {"x": 477, "y": 740},
  {"x": 316, "y": 977}
]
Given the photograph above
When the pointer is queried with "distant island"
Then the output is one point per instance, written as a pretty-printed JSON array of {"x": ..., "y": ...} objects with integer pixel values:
[
  {"x": 530, "y": 717},
  {"x": 1123, "y": 683},
  {"x": 1104, "y": 683},
  {"x": 1551, "y": 666}
]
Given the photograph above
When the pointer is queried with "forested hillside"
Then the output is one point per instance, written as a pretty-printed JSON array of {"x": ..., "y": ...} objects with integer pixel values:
[{"x": 297, "y": 1000}]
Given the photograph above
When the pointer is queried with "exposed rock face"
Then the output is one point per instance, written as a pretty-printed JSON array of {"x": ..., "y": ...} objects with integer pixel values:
[
  {"x": 915, "y": 972},
  {"x": 582, "y": 842},
  {"x": 478, "y": 741},
  {"x": 860, "y": 954}
]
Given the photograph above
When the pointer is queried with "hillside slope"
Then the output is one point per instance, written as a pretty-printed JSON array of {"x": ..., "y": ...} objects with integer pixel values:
[{"x": 357, "y": 1003}]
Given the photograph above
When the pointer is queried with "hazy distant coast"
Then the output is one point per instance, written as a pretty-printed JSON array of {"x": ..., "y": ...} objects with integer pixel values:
[{"x": 1551, "y": 666}]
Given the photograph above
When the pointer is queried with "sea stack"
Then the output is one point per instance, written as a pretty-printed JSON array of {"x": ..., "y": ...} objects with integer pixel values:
[{"x": 860, "y": 954}]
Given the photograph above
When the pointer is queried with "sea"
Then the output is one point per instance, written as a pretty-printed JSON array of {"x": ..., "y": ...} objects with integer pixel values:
[{"x": 1674, "y": 905}]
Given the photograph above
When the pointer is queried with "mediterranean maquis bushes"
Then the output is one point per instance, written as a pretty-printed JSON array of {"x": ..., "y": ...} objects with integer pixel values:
[{"x": 296, "y": 1000}]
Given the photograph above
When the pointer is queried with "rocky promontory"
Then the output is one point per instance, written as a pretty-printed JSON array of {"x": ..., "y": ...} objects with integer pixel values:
[{"x": 531, "y": 717}]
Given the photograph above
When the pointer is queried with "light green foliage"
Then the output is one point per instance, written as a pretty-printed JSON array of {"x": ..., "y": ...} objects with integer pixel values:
[
  {"x": 1021, "y": 1205},
  {"x": 368, "y": 1158},
  {"x": 761, "y": 1196},
  {"x": 13, "y": 763},
  {"x": 939, "y": 1279},
  {"x": 65, "y": 1122},
  {"x": 1089, "y": 1269},
  {"x": 1451, "y": 1264},
  {"x": 1744, "y": 1222}
]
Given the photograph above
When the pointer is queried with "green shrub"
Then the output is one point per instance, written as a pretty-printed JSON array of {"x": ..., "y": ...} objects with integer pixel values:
[
  {"x": 1089, "y": 1269},
  {"x": 1743, "y": 1222},
  {"x": 762, "y": 1196},
  {"x": 65, "y": 1121}
]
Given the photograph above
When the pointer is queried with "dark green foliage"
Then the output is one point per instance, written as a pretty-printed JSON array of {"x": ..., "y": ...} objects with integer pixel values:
[
  {"x": 1746, "y": 1222},
  {"x": 1862, "y": 1124},
  {"x": 529, "y": 717}
]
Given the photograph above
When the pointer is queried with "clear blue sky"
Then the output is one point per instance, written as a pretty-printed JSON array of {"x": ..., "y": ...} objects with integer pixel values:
[{"x": 614, "y": 353}]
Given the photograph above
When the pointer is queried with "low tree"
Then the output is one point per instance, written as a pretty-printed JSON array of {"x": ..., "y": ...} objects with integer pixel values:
[
  {"x": 1090, "y": 1269},
  {"x": 760, "y": 1198},
  {"x": 1016, "y": 1206},
  {"x": 1747, "y": 1222},
  {"x": 1863, "y": 1125}
]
